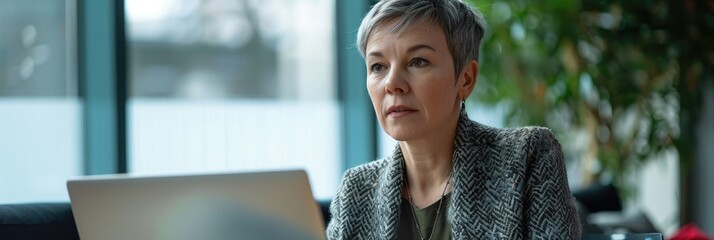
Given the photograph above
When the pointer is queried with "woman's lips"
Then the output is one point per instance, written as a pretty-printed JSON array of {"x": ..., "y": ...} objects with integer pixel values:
[{"x": 399, "y": 111}]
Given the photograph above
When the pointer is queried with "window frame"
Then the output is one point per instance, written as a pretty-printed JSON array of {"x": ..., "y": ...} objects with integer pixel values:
[{"x": 103, "y": 84}]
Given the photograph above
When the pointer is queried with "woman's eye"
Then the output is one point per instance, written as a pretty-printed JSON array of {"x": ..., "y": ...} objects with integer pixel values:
[
  {"x": 418, "y": 62},
  {"x": 376, "y": 68}
]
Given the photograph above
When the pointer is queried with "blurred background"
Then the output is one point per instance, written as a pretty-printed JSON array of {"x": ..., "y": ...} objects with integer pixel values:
[{"x": 189, "y": 86}]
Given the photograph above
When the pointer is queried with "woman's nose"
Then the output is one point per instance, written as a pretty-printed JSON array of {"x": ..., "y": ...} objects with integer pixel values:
[{"x": 395, "y": 83}]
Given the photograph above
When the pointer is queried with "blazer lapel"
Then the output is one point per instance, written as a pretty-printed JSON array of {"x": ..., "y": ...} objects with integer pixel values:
[
  {"x": 471, "y": 147},
  {"x": 390, "y": 196}
]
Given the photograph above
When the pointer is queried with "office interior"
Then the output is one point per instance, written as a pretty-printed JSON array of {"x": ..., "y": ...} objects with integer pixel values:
[{"x": 93, "y": 87}]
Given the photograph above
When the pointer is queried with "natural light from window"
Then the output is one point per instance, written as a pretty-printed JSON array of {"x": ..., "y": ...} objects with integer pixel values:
[{"x": 234, "y": 85}]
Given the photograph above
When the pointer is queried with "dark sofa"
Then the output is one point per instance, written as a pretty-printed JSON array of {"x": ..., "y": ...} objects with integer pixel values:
[{"x": 37, "y": 221}]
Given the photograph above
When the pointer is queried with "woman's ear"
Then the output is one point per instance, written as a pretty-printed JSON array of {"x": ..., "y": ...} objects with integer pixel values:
[{"x": 468, "y": 79}]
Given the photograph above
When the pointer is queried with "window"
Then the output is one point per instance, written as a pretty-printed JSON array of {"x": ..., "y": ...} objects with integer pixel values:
[
  {"x": 223, "y": 85},
  {"x": 40, "y": 112}
]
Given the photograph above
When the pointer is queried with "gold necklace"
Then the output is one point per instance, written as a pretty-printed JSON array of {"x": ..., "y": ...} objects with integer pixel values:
[{"x": 438, "y": 209}]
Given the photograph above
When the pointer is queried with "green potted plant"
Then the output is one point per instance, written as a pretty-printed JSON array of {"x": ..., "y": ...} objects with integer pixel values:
[{"x": 614, "y": 79}]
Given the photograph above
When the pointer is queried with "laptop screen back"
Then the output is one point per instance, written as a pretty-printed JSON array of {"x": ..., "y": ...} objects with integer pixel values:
[{"x": 267, "y": 205}]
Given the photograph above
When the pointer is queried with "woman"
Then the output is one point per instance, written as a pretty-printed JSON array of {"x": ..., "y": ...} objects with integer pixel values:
[{"x": 449, "y": 177}]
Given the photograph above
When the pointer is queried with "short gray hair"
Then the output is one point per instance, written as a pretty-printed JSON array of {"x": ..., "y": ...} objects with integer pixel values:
[{"x": 463, "y": 25}]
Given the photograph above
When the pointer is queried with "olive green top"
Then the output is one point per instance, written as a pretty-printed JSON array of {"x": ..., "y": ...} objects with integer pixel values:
[{"x": 426, "y": 217}]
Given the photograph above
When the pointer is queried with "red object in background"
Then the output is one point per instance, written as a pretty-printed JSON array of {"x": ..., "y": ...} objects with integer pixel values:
[{"x": 690, "y": 232}]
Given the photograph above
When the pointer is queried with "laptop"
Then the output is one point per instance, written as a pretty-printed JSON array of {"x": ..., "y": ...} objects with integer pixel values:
[{"x": 258, "y": 205}]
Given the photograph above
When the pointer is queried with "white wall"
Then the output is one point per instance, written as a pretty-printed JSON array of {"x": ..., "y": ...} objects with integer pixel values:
[
  {"x": 704, "y": 165},
  {"x": 658, "y": 192}
]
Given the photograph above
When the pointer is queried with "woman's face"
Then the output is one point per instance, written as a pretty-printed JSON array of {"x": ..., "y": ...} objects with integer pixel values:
[{"x": 411, "y": 81}]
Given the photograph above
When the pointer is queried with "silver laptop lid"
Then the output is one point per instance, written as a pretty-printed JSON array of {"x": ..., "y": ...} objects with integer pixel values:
[{"x": 266, "y": 205}]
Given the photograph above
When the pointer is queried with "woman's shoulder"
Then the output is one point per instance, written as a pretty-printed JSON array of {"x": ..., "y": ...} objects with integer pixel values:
[
  {"x": 528, "y": 132},
  {"x": 367, "y": 173},
  {"x": 371, "y": 166},
  {"x": 510, "y": 135}
]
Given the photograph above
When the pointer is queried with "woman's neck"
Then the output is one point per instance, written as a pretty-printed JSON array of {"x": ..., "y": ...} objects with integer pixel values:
[{"x": 428, "y": 165}]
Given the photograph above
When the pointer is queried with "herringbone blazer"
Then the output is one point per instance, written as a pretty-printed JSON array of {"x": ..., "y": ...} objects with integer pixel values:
[{"x": 508, "y": 184}]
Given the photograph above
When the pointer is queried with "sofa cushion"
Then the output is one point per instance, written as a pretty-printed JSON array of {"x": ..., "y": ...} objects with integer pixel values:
[{"x": 53, "y": 221}]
